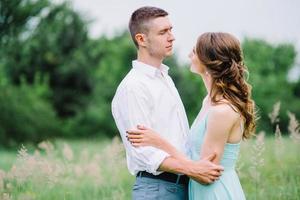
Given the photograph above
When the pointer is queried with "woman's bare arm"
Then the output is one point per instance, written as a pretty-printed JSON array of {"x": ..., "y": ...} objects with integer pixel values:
[
  {"x": 144, "y": 136},
  {"x": 203, "y": 171},
  {"x": 219, "y": 125}
]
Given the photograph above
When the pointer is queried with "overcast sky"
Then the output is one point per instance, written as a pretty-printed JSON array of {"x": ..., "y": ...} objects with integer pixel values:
[{"x": 273, "y": 20}]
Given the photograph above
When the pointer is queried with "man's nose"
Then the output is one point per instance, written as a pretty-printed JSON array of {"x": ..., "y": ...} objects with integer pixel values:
[{"x": 171, "y": 37}]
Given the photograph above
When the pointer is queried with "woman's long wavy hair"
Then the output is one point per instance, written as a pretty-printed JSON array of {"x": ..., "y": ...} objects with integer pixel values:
[{"x": 221, "y": 54}]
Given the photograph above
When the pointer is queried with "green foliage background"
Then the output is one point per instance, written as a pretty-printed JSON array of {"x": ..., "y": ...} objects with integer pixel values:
[{"x": 57, "y": 81}]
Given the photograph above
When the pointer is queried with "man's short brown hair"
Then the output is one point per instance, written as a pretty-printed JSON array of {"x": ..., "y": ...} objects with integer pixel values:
[{"x": 140, "y": 17}]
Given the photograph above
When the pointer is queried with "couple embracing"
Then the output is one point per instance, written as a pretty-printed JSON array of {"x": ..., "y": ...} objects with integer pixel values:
[{"x": 169, "y": 159}]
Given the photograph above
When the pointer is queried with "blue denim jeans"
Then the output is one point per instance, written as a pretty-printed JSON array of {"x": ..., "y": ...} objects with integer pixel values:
[{"x": 155, "y": 189}]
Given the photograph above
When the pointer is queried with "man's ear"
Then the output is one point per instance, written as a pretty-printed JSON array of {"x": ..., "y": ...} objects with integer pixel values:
[{"x": 141, "y": 39}]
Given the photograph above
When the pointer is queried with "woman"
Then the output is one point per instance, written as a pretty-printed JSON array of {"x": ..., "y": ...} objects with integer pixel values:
[{"x": 227, "y": 115}]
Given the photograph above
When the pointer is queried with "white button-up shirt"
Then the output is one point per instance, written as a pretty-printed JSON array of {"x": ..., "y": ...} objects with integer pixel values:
[{"x": 147, "y": 96}]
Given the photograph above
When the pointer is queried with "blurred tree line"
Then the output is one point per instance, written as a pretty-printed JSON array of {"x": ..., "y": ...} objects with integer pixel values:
[{"x": 57, "y": 81}]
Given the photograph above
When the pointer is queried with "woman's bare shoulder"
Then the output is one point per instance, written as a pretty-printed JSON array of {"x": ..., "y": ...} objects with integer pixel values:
[{"x": 225, "y": 111}]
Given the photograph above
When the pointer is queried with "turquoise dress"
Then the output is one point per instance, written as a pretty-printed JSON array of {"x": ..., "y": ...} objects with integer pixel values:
[{"x": 228, "y": 187}]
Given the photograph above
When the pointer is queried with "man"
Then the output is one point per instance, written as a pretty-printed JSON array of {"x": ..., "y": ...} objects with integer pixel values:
[{"x": 147, "y": 96}]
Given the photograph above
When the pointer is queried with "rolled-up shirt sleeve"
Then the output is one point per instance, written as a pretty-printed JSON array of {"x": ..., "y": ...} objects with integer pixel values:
[{"x": 131, "y": 107}]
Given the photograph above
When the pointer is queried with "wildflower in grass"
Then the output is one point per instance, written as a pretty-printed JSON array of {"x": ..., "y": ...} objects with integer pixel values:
[
  {"x": 6, "y": 196},
  {"x": 294, "y": 127},
  {"x": 93, "y": 170},
  {"x": 84, "y": 155},
  {"x": 257, "y": 161},
  {"x": 22, "y": 153},
  {"x": 279, "y": 151},
  {"x": 2, "y": 176},
  {"x": 47, "y": 170},
  {"x": 118, "y": 194},
  {"x": 34, "y": 168},
  {"x": 240, "y": 167},
  {"x": 114, "y": 155},
  {"x": 46, "y": 146},
  {"x": 78, "y": 171},
  {"x": 67, "y": 152},
  {"x": 9, "y": 186},
  {"x": 24, "y": 166},
  {"x": 278, "y": 136},
  {"x": 275, "y": 113},
  {"x": 27, "y": 196}
]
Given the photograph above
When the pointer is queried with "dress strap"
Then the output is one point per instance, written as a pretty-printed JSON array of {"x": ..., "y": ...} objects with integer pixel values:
[
  {"x": 205, "y": 118},
  {"x": 242, "y": 125}
]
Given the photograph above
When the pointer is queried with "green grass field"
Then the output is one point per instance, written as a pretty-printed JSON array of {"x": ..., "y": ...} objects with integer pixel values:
[{"x": 96, "y": 169}]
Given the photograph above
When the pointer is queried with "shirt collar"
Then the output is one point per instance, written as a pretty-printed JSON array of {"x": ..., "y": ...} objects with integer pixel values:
[{"x": 150, "y": 70}]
